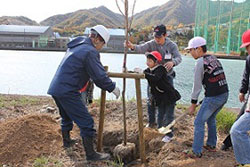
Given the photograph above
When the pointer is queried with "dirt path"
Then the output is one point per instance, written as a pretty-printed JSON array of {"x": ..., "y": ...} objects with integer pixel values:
[{"x": 30, "y": 128}]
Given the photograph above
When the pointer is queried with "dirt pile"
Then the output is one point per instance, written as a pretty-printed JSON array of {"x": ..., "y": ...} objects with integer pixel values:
[
  {"x": 27, "y": 138},
  {"x": 171, "y": 154}
]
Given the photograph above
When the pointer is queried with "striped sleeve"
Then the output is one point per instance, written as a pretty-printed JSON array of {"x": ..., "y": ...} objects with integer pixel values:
[{"x": 198, "y": 77}]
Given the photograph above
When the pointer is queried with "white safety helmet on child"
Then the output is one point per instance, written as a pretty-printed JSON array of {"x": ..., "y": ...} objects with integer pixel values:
[
  {"x": 196, "y": 42},
  {"x": 102, "y": 31}
]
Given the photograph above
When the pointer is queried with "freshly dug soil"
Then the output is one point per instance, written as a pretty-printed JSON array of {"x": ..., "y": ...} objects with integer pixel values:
[
  {"x": 30, "y": 128},
  {"x": 27, "y": 138}
]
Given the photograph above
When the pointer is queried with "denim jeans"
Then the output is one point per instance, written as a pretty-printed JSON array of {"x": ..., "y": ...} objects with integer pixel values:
[
  {"x": 207, "y": 113},
  {"x": 241, "y": 138},
  {"x": 165, "y": 114},
  {"x": 168, "y": 109},
  {"x": 227, "y": 141}
]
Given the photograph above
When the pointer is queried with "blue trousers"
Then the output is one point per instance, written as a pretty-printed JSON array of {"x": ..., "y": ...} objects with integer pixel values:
[
  {"x": 241, "y": 138},
  {"x": 165, "y": 111},
  {"x": 72, "y": 109},
  {"x": 207, "y": 114}
]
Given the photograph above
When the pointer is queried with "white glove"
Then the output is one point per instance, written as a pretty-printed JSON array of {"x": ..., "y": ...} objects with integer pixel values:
[
  {"x": 138, "y": 70},
  {"x": 116, "y": 92}
]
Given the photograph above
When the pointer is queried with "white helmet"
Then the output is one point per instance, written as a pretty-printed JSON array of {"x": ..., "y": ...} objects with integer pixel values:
[{"x": 102, "y": 31}]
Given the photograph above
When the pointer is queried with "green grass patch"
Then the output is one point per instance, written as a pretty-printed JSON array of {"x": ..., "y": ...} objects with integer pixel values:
[
  {"x": 6, "y": 101},
  {"x": 27, "y": 100},
  {"x": 116, "y": 163},
  {"x": 225, "y": 120},
  {"x": 1, "y": 102},
  {"x": 45, "y": 162}
]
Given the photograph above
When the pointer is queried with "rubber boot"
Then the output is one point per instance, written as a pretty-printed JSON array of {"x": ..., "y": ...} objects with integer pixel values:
[
  {"x": 91, "y": 154},
  {"x": 67, "y": 141}
]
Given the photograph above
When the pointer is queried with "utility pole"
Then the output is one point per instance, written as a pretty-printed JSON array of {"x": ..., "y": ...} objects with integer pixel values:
[
  {"x": 196, "y": 18},
  {"x": 199, "y": 17},
  {"x": 206, "y": 19},
  {"x": 230, "y": 30},
  {"x": 248, "y": 23},
  {"x": 239, "y": 34},
  {"x": 216, "y": 37}
]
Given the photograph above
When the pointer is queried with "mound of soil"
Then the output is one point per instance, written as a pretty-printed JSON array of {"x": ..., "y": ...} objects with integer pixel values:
[
  {"x": 25, "y": 137},
  {"x": 28, "y": 137}
]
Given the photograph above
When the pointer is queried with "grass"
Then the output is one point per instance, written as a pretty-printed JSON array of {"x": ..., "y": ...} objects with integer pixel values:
[
  {"x": 225, "y": 120},
  {"x": 116, "y": 163},
  {"x": 46, "y": 161},
  {"x": 6, "y": 101},
  {"x": 1, "y": 102}
]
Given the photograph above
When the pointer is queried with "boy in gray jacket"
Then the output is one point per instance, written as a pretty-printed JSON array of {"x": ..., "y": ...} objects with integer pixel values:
[{"x": 170, "y": 58}]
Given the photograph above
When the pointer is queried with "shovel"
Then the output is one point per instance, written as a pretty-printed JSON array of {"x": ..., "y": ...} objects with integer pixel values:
[{"x": 167, "y": 129}]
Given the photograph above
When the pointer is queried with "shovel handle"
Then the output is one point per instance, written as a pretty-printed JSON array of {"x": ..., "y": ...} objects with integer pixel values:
[
  {"x": 185, "y": 113},
  {"x": 178, "y": 118}
]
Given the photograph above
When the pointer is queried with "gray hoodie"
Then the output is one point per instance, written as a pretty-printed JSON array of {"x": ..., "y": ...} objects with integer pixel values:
[{"x": 168, "y": 50}]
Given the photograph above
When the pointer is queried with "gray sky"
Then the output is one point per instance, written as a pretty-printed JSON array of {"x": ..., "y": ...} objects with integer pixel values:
[{"x": 39, "y": 10}]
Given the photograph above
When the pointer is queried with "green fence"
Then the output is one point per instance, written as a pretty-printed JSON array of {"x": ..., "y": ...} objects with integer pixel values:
[{"x": 222, "y": 23}]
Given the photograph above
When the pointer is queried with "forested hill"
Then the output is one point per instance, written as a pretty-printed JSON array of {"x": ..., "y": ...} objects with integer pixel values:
[
  {"x": 173, "y": 12},
  {"x": 17, "y": 20},
  {"x": 86, "y": 18}
]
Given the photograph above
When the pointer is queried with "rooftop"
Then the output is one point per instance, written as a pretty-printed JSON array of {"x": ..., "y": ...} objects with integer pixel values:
[
  {"x": 112, "y": 31},
  {"x": 23, "y": 29}
]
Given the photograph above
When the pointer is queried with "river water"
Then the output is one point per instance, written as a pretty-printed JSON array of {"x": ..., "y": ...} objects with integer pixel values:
[{"x": 30, "y": 73}]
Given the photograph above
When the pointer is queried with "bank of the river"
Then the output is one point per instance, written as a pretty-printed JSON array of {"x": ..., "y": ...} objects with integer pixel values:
[
  {"x": 30, "y": 136},
  {"x": 221, "y": 55},
  {"x": 218, "y": 55}
]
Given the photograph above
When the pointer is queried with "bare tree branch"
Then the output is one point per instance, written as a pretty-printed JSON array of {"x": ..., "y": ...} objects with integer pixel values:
[
  {"x": 132, "y": 16},
  {"x": 119, "y": 7}
]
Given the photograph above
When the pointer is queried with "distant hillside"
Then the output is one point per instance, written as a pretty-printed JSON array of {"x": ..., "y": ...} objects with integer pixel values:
[
  {"x": 17, "y": 20},
  {"x": 171, "y": 13},
  {"x": 57, "y": 19},
  {"x": 85, "y": 18}
]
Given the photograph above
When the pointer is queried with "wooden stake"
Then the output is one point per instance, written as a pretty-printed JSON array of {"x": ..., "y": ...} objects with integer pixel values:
[
  {"x": 101, "y": 118},
  {"x": 140, "y": 120}
]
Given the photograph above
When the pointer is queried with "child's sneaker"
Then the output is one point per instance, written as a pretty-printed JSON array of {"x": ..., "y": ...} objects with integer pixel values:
[
  {"x": 190, "y": 154},
  {"x": 210, "y": 148}
]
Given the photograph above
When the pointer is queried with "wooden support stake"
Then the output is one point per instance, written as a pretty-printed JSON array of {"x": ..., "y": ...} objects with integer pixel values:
[
  {"x": 140, "y": 120},
  {"x": 101, "y": 118}
]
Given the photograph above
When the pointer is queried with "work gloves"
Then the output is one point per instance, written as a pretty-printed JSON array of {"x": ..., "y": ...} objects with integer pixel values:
[
  {"x": 138, "y": 70},
  {"x": 116, "y": 92}
]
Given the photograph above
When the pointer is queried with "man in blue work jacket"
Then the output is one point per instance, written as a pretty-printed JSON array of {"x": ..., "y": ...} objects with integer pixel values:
[{"x": 80, "y": 63}]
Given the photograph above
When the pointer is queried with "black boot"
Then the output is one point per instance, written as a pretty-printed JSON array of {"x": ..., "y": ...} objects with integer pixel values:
[
  {"x": 91, "y": 154},
  {"x": 67, "y": 141}
]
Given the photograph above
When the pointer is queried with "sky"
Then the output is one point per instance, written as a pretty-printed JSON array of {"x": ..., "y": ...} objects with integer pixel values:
[{"x": 39, "y": 10}]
